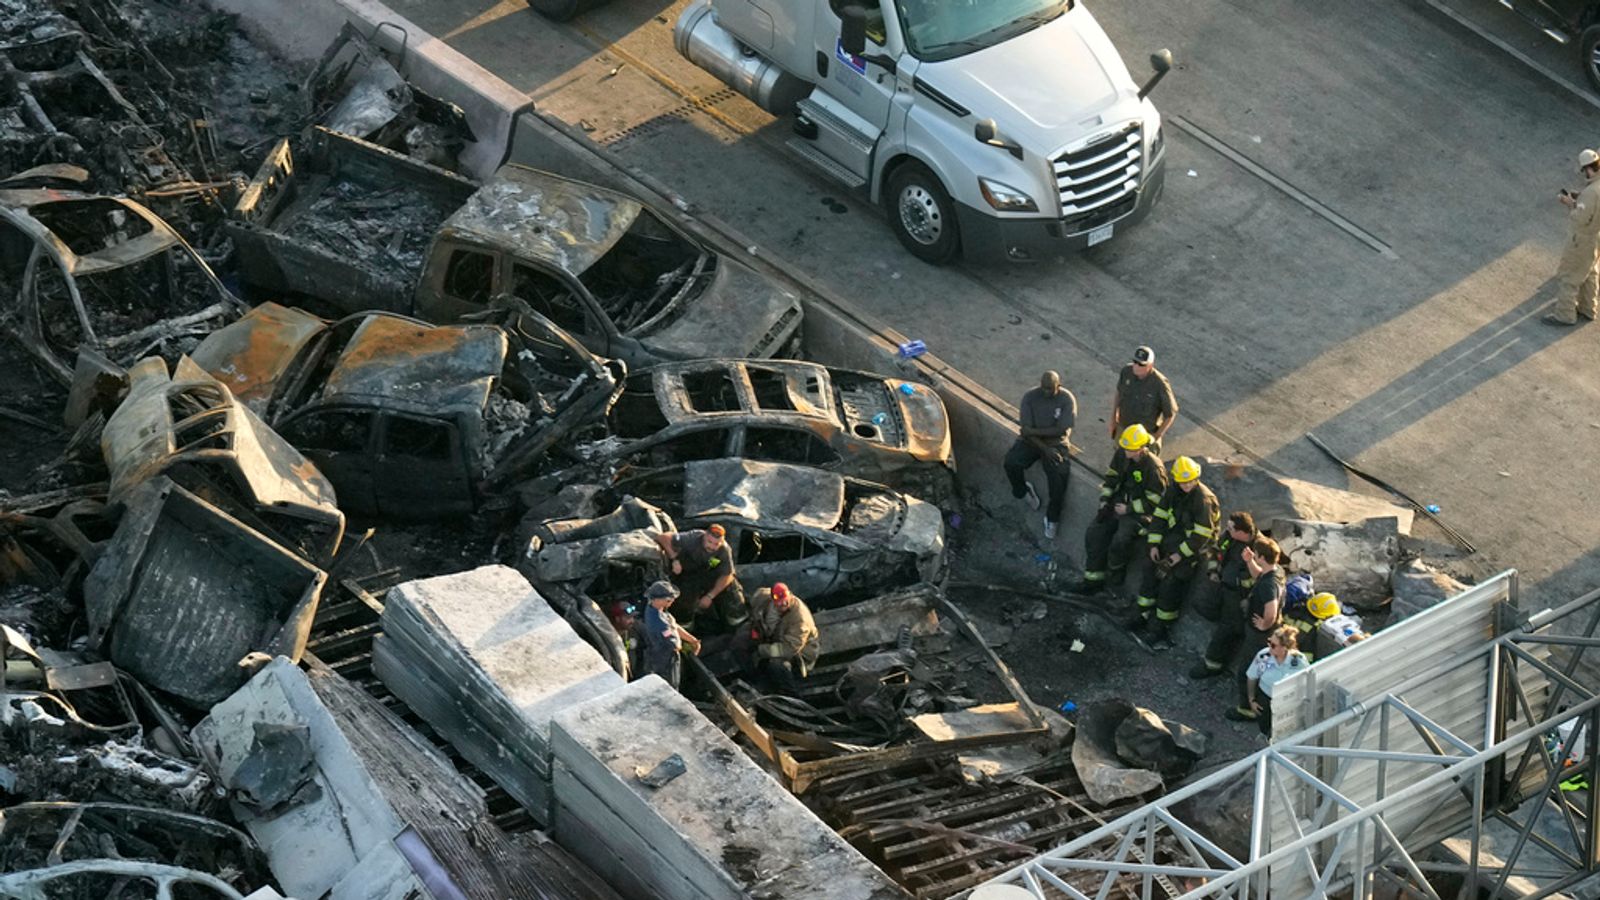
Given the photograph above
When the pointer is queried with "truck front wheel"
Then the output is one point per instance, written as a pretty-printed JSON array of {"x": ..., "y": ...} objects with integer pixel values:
[
  {"x": 922, "y": 215},
  {"x": 1589, "y": 47},
  {"x": 562, "y": 10}
]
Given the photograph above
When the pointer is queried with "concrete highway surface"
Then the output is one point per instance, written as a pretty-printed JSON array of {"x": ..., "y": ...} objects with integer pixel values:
[{"x": 1357, "y": 240}]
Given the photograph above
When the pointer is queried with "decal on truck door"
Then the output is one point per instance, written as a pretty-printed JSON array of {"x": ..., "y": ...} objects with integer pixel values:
[{"x": 849, "y": 59}]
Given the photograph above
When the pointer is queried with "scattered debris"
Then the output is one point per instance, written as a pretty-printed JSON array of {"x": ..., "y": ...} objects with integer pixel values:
[{"x": 1353, "y": 561}]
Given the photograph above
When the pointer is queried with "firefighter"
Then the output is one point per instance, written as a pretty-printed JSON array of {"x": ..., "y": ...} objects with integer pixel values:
[
  {"x": 1181, "y": 535},
  {"x": 1579, "y": 271},
  {"x": 1233, "y": 583},
  {"x": 1129, "y": 493},
  {"x": 782, "y": 641}
]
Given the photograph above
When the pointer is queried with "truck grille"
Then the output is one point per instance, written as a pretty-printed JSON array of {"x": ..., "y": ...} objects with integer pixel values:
[{"x": 1100, "y": 173}]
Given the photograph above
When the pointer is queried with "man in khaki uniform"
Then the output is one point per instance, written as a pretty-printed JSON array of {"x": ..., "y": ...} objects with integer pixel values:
[
  {"x": 781, "y": 641},
  {"x": 1580, "y": 277}
]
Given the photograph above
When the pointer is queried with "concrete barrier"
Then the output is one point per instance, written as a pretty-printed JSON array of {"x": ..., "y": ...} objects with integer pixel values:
[{"x": 836, "y": 333}]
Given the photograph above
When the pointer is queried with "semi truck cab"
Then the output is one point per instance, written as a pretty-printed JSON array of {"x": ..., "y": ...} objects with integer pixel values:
[{"x": 1006, "y": 129}]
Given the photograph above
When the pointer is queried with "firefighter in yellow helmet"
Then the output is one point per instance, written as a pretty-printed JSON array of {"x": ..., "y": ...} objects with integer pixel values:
[
  {"x": 1180, "y": 536},
  {"x": 1129, "y": 493}
]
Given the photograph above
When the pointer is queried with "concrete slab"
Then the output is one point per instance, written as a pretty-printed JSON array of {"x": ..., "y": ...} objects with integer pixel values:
[
  {"x": 319, "y": 839},
  {"x": 724, "y": 824},
  {"x": 1269, "y": 495},
  {"x": 1354, "y": 561}
]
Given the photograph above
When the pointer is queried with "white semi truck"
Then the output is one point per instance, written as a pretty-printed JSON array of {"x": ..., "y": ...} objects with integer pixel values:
[{"x": 1005, "y": 129}]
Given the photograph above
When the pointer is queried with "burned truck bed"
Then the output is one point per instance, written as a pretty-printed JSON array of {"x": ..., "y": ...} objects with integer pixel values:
[{"x": 346, "y": 222}]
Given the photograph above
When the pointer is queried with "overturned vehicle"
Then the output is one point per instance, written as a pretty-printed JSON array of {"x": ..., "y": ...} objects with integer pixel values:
[
  {"x": 361, "y": 227},
  {"x": 85, "y": 272},
  {"x": 782, "y": 411},
  {"x": 408, "y": 419}
]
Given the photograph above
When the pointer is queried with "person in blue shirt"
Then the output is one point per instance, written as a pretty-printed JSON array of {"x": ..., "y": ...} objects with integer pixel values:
[
  {"x": 664, "y": 638},
  {"x": 1277, "y": 661}
]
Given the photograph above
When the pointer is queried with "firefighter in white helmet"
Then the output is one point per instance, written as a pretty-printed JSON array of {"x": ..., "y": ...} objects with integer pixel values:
[{"x": 1579, "y": 272}]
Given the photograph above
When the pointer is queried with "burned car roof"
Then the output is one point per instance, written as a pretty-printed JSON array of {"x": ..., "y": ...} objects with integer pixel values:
[
  {"x": 805, "y": 389},
  {"x": 756, "y": 492},
  {"x": 253, "y": 354},
  {"x": 41, "y": 212},
  {"x": 542, "y": 216},
  {"x": 409, "y": 362}
]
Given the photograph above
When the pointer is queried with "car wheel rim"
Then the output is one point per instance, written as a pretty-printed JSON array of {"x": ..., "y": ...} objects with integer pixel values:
[
  {"x": 1594, "y": 60},
  {"x": 920, "y": 215}
]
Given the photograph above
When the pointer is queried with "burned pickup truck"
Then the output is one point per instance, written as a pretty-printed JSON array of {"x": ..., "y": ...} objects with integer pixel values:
[
  {"x": 86, "y": 272},
  {"x": 408, "y": 419},
  {"x": 361, "y": 227},
  {"x": 855, "y": 423},
  {"x": 191, "y": 429}
]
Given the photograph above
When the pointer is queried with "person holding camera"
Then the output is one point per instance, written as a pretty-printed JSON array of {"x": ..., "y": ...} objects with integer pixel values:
[{"x": 1579, "y": 271}]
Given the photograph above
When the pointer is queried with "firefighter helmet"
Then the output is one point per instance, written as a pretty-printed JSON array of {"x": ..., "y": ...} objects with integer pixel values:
[{"x": 1134, "y": 437}]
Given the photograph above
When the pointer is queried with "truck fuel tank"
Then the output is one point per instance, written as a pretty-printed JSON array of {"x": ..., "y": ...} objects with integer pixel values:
[{"x": 708, "y": 45}]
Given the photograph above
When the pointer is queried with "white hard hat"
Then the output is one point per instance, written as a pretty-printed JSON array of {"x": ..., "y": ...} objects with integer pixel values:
[{"x": 1587, "y": 158}]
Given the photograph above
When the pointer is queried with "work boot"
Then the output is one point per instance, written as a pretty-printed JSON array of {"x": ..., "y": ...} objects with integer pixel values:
[
  {"x": 1137, "y": 621},
  {"x": 1159, "y": 636},
  {"x": 1087, "y": 587},
  {"x": 1030, "y": 496},
  {"x": 1049, "y": 530},
  {"x": 1240, "y": 714},
  {"x": 1203, "y": 670}
]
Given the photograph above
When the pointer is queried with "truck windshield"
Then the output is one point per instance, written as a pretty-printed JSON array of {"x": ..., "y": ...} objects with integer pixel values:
[{"x": 944, "y": 29}]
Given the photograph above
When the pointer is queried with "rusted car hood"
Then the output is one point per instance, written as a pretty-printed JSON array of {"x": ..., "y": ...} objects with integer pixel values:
[
  {"x": 424, "y": 366},
  {"x": 251, "y": 356},
  {"x": 741, "y": 313},
  {"x": 190, "y": 418}
]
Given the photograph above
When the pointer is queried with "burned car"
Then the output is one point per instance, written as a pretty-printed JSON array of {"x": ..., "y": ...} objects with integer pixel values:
[
  {"x": 816, "y": 531},
  {"x": 584, "y": 565},
  {"x": 854, "y": 423},
  {"x": 409, "y": 419},
  {"x": 81, "y": 271},
  {"x": 363, "y": 227},
  {"x": 191, "y": 429}
]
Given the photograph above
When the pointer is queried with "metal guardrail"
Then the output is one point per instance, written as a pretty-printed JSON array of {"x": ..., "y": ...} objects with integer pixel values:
[{"x": 1343, "y": 845}]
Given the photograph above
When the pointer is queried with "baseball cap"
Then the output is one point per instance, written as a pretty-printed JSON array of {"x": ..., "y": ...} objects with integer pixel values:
[
  {"x": 1144, "y": 356},
  {"x": 660, "y": 589},
  {"x": 717, "y": 530},
  {"x": 780, "y": 591}
]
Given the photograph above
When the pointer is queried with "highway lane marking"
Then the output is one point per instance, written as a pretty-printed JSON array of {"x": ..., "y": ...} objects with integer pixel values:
[{"x": 1293, "y": 193}]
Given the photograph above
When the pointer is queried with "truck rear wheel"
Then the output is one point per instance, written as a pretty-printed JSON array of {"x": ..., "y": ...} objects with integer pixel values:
[
  {"x": 1589, "y": 48},
  {"x": 562, "y": 10},
  {"x": 922, "y": 215}
]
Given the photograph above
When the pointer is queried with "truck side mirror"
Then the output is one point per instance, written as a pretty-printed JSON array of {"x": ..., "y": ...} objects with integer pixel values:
[
  {"x": 853, "y": 29},
  {"x": 1161, "y": 61},
  {"x": 987, "y": 132}
]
